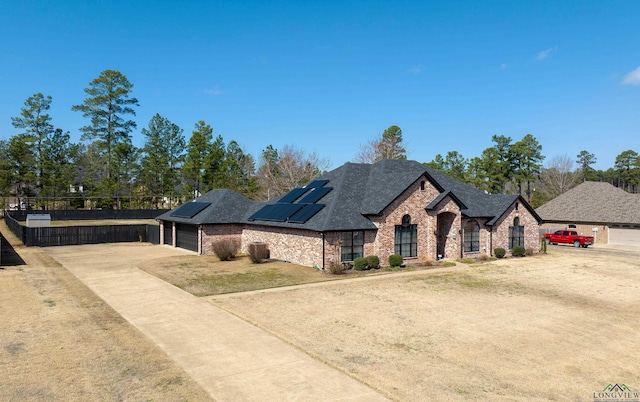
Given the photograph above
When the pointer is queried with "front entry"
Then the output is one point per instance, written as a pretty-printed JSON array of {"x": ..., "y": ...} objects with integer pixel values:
[{"x": 445, "y": 222}]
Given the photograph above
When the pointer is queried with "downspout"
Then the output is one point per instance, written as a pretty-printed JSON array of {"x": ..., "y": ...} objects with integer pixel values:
[
  {"x": 491, "y": 242},
  {"x": 322, "y": 251}
]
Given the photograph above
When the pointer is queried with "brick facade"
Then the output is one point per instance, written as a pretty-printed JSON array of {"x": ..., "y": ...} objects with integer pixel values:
[
  {"x": 412, "y": 202},
  {"x": 302, "y": 247},
  {"x": 531, "y": 228},
  {"x": 213, "y": 233},
  {"x": 440, "y": 232}
]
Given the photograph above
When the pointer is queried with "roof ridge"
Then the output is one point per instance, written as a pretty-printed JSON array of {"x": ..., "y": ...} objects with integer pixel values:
[{"x": 337, "y": 188}]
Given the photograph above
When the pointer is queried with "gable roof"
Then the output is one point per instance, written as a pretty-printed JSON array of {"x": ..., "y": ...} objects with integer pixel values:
[
  {"x": 593, "y": 202},
  {"x": 358, "y": 191}
]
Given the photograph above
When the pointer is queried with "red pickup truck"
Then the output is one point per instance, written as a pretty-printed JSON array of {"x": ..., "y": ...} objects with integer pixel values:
[{"x": 568, "y": 237}]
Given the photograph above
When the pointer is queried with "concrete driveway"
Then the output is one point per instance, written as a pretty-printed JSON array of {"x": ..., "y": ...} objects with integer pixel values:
[{"x": 230, "y": 358}]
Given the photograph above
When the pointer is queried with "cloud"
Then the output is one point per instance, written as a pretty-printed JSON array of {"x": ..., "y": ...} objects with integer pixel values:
[
  {"x": 546, "y": 53},
  {"x": 503, "y": 66},
  {"x": 213, "y": 91},
  {"x": 632, "y": 78},
  {"x": 416, "y": 70}
]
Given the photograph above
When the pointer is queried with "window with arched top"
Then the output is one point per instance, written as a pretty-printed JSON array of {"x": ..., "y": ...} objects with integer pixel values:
[
  {"x": 406, "y": 238},
  {"x": 471, "y": 236},
  {"x": 516, "y": 234}
]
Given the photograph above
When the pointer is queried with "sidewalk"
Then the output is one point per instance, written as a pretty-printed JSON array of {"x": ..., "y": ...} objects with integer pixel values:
[{"x": 230, "y": 358}]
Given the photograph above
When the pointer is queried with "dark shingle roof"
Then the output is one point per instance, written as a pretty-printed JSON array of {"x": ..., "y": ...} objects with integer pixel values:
[
  {"x": 227, "y": 206},
  {"x": 359, "y": 190},
  {"x": 593, "y": 202}
]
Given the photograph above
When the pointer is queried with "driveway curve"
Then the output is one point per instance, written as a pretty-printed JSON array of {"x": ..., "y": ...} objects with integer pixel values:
[{"x": 230, "y": 358}]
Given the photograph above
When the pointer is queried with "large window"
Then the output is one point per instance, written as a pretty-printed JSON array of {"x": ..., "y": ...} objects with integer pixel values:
[
  {"x": 406, "y": 239},
  {"x": 471, "y": 236},
  {"x": 352, "y": 245},
  {"x": 516, "y": 234}
]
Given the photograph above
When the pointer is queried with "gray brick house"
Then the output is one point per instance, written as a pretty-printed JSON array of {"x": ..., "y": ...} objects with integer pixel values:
[
  {"x": 389, "y": 207},
  {"x": 597, "y": 209}
]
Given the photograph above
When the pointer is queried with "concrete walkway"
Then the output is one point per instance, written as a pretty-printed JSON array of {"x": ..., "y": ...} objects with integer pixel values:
[{"x": 230, "y": 358}]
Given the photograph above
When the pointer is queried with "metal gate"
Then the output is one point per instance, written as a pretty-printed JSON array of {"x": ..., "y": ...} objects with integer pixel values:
[{"x": 187, "y": 236}]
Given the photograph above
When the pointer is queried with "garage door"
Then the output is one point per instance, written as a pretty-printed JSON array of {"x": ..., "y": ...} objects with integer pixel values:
[
  {"x": 187, "y": 236},
  {"x": 168, "y": 233},
  {"x": 627, "y": 236}
]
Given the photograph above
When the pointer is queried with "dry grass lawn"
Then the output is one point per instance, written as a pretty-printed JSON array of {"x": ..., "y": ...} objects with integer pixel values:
[
  {"x": 551, "y": 327},
  {"x": 207, "y": 275},
  {"x": 59, "y": 341}
]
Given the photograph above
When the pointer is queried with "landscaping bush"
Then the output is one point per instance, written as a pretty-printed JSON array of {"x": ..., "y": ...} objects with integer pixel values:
[
  {"x": 360, "y": 264},
  {"x": 499, "y": 252},
  {"x": 484, "y": 257},
  {"x": 517, "y": 251},
  {"x": 426, "y": 261},
  {"x": 335, "y": 267},
  {"x": 258, "y": 252},
  {"x": 227, "y": 248},
  {"x": 373, "y": 261},
  {"x": 529, "y": 251},
  {"x": 395, "y": 260}
]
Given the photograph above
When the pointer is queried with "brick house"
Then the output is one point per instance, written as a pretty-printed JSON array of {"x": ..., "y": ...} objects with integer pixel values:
[
  {"x": 601, "y": 210},
  {"x": 389, "y": 207}
]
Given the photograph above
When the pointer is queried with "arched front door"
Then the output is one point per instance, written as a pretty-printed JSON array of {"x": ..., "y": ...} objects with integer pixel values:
[{"x": 445, "y": 222}]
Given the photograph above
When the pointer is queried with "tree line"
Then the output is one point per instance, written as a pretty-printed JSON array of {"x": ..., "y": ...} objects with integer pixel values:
[
  {"x": 510, "y": 167},
  {"x": 105, "y": 167}
]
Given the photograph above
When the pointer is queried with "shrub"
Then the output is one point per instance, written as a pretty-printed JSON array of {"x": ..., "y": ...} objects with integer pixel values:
[
  {"x": 335, "y": 267},
  {"x": 484, "y": 257},
  {"x": 258, "y": 252},
  {"x": 373, "y": 261},
  {"x": 360, "y": 264},
  {"x": 395, "y": 260},
  {"x": 227, "y": 248},
  {"x": 529, "y": 251},
  {"x": 499, "y": 252},
  {"x": 447, "y": 264},
  {"x": 517, "y": 251},
  {"x": 426, "y": 261}
]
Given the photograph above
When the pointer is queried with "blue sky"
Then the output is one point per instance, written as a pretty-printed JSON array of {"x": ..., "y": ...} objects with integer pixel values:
[{"x": 328, "y": 76}]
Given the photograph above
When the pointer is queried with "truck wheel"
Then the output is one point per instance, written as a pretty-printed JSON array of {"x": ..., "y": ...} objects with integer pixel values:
[
  {"x": 576, "y": 243},
  {"x": 547, "y": 240}
]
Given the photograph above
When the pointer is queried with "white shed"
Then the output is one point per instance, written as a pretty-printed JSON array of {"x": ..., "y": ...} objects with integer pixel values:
[{"x": 38, "y": 220}]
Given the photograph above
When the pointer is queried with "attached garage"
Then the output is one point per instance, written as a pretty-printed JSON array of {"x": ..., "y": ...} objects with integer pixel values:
[
  {"x": 597, "y": 209},
  {"x": 187, "y": 236},
  {"x": 624, "y": 235}
]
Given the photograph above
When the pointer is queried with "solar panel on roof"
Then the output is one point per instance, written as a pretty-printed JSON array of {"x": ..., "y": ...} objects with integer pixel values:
[
  {"x": 306, "y": 213},
  {"x": 190, "y": 209},
  {"x": 317, "y": 183},
  {"x": 292, "y": 195},
  {"x": 276, "y": 212},
  {"x": 315, "y": 195}
]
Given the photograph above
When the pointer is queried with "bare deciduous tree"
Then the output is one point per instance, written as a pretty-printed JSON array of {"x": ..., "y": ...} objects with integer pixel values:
[
  {"x": 281, "y": 171},
  {"x": 559, "y": 176}
]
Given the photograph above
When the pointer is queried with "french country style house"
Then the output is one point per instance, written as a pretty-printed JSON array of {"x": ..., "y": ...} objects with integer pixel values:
[{"x": 389, "y": 207}]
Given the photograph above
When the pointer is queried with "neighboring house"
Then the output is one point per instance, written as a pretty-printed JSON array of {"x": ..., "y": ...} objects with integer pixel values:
[
  {"x": 608, "y": 213},
  {"x": 390, "y": 207}
]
